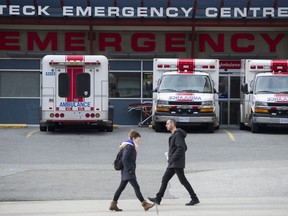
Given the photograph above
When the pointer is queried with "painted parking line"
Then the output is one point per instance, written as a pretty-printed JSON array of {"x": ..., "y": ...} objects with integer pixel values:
[
  {"x": 230, "y": 135},
  {"x": 31, "y": 133}
]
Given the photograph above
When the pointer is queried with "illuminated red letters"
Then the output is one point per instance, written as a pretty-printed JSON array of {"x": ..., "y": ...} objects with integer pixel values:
[
  {"x": 175, "y": 39},
  {"x": 140, "y": 42},
  {"x": 272, "y": 43},
  {"x": 9, "y": 40},
  {"x": 148, "y": 45},
  {"x": 207, "y": 38},
  {"x": 238, "y": 37},
  {"x": 51, "y": 38},
  {"x": 110, "y": 40},
  {"x": 74, "y": 41}
]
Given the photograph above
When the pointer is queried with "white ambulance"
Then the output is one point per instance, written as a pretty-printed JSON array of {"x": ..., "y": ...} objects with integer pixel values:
[
  {"x": 75, "y": 90},
  {"x": 264, "y": 94},
  {"x": 185, "y": 90}
]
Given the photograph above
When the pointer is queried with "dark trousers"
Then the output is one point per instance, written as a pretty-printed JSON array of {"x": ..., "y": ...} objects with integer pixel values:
[
  {"x": 170, "y": 172},
  {"x": 123, "y": 185}
]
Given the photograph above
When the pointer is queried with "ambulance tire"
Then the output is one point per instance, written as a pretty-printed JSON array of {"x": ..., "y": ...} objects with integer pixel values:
[
  {"x": 158, "y": 127},
  {"x": 43, "y": 128},
  {"x": 210, "y": 128},
  {"x": 51, "y": 128},
  {"x": 255, "y": 128},
  {"x": 242, "y": 126},
  {"x": 109, "y": 128}
]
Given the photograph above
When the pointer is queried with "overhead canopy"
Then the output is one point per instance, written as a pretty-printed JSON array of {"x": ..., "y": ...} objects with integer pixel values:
[{"x": 146, "y": 12}]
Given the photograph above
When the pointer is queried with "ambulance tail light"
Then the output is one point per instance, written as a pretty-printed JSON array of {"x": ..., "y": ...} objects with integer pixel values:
[
  {"x": 57, "y": 115},
  {"x": 92, "y": 115},
  {"x": 87, "y": 115}
]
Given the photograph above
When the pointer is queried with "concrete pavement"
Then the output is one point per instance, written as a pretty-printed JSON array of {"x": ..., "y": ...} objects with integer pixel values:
[{"x": 175, "y": 207}]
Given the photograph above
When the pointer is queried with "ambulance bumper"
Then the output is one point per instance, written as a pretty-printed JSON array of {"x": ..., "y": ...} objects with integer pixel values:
[
  {"x": 199, "y": 119},
  {"x": 270, "y": 120}
]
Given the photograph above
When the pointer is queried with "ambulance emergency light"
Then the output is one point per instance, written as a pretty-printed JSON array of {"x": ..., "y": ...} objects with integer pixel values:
[
  {"x": 275, "y": 66},
  {"x": 76, "y": 63},
  {"x": 188, "y": 66}
]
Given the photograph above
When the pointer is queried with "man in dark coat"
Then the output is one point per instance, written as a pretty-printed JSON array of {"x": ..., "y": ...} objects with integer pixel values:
[{"x": 176, "y": 163}]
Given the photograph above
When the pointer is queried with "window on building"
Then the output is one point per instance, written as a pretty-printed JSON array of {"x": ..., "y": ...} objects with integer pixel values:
[
  {"x": 147, "y": 85},
  {"x": 19, "y": 84},
  {"x": 125, "y": 85}
]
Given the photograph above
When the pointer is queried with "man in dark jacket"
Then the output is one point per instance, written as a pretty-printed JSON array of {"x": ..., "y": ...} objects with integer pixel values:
[{"x": 176, "y": 163}]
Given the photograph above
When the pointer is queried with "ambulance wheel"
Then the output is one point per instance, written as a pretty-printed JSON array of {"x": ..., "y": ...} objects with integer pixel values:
[
  {"x": 242, "y": 126},
  {"x": 109, "y": 128},
  {"x": 43, "y": 128},
  {"x": 51, "y": 128},
  {"x": 255, "y": 128},
  {"x": 158, "y": 127},
  {"x": 210, "y": 128}
]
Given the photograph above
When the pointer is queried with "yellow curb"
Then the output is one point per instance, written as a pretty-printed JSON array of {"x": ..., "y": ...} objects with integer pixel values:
[
  {"x": 115, "y": 126},
  {"x": 13, "y": 126}
]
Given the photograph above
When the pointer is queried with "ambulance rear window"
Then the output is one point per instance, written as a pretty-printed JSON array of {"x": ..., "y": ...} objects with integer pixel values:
[
  {"x": 83, "y": 85},
  {"x": 63, "y": 85}
]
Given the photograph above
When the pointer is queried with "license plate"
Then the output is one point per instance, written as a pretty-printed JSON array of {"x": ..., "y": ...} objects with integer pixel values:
[
  {"x": 184, "y": 119},
  {"x": 79, "y": 115},
  {"x": 283, "y": 120}
]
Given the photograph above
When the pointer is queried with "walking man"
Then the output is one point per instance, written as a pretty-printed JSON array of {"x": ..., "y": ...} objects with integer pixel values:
[{"x": 176, "y": 163}]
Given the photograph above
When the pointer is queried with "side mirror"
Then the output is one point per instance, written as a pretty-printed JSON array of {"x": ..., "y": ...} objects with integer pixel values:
[
  {"x": 214, "y": 90},
  {"x": 244, "y": 88},
  {"x": 155, "y": 90}
]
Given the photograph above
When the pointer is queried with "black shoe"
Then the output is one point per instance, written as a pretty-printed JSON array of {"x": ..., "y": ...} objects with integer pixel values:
[
  {"x": 155, "y": 200},
  {"x": 193, "y": 202}
]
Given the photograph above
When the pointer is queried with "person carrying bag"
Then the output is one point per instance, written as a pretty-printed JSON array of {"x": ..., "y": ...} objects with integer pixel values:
[{"x": 128, "y": 173}]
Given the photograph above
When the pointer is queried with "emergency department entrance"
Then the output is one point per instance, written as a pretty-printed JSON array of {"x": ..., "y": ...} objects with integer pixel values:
[
  {"x": 229, "y": 99},
  {"x": 131, "y": 33}
]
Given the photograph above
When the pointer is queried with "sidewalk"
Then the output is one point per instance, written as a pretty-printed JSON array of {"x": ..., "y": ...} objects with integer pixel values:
[{"x": 173, "y": 207}]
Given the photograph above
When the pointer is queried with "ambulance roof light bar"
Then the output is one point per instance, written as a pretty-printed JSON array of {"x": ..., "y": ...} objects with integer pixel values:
[
  {"x": 276, "y": 66},
  {"x": 186, "y": 66},
  {"x": 74, "y": 63}
]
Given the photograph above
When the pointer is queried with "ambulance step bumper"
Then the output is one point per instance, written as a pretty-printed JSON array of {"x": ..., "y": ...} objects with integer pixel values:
[
  {"x": 186, "y": 119},
  {"x": 270, "y": 120}
]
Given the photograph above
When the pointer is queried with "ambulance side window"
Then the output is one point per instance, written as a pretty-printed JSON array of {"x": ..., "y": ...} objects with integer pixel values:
[
  {"x": 83, "y": 85},
  {"x": 63, "y": 85}
]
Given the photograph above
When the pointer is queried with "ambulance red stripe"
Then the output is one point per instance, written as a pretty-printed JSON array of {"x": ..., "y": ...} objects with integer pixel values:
[{"x": 73, "y": 70}]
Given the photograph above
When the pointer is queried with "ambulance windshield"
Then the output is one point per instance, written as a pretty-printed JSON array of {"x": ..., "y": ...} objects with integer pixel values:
[
  {"x": 271, "y": 85},
  {"x": 186, "y": 83}
]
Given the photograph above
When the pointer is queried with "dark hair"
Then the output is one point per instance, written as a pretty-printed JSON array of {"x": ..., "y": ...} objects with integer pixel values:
[
  {"x": 173, "y": 121},
  {"x": 133, "y": 134}
]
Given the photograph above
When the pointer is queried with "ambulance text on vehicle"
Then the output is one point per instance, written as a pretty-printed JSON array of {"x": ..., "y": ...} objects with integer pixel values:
[
  {"x": 74, "y": 90},
  {"x": 264, "y": 94},
  {"x": 185, "y": 90}
]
